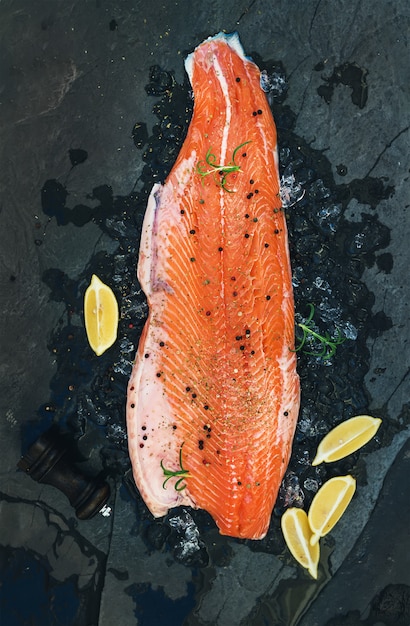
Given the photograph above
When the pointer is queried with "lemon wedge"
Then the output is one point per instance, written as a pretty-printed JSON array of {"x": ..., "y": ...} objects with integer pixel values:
[
  {"x": 100, "y": 315},
  {"x": 329, "y": 504},
  {"x": 297, "y": 534},
  {"x": 346, "y": 438}
]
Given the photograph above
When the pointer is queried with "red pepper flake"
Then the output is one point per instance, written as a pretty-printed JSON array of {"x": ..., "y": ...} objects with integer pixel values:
[
  {"x": 208, "y": 313},
  {"x": 233, "y": 278},
  {"x": 141, "y": 445}
]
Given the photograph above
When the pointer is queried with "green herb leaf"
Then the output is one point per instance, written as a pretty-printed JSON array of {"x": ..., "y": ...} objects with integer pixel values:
[
  {"x": 181, "y": 473},
  {"x": 329, "y": 344},
  {"x": 222, "y": 170}
]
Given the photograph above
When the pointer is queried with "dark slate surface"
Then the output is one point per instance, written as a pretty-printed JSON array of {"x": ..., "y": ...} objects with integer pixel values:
[{"x": 73, "y": 78}]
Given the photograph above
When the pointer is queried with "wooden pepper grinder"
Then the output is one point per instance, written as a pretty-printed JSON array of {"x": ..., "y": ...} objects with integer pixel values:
[{"x": 48, "y": 461}]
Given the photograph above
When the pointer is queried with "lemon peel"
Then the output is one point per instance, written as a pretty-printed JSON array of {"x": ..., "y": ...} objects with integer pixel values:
[
  {"x": 329, "y": 504},
  {"x": 100, "y": 315},
  {"x": 298, "y": 534},
  {"x": 346, "y": 438}
]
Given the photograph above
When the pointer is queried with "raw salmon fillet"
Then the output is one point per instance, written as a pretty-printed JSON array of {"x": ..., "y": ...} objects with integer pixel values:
[{"x": 213, "y": 398}]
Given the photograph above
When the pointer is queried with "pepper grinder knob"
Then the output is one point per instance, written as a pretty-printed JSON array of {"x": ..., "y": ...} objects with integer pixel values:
[{"x": 47, "y": 461}]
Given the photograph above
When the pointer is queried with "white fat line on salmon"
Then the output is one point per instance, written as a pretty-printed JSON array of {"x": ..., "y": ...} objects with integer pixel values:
[
  {"x": 276, "y": 159},
  {"x": 228, "y": 107},
  {"x": 267, "y": 150},
  {"x": 224, "y": 146}
]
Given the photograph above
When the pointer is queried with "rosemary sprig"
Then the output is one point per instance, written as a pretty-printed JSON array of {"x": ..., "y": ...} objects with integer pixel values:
[
  {"x": 183, "y": 473},
  {"x": 329, "y": 344},
  {"x": 222, "y": 170}
]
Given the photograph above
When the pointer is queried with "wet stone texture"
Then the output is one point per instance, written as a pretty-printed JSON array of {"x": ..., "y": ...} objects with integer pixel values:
[{"x": 95, "y": 107}]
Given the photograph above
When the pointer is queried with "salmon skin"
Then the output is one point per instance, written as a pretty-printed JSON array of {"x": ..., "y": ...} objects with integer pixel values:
[{"x": 213, "y": 397}]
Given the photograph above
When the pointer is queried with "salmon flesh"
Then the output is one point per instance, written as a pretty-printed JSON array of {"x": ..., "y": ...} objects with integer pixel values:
[{"x": 213, "y": 397}]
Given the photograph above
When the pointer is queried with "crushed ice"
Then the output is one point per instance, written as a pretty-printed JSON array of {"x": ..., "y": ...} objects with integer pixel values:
[
  {"x": 311, "y": 484},
  {"x": 348, "y": 330},
  {"x": 132, "y": 307},
  {"x": 290, "y": 190},
  {"x": 189, "y": 541},
  {"x": 320, "y": 283},
  {"x": 116, "y": 433},
  {"x": 274, "y": 83},
  {"x": 309, "y": 425},
  {"x": 291, "y": 492},
  {"x": 328, "y": 217},
  {"x": 124, "y": 364}
]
